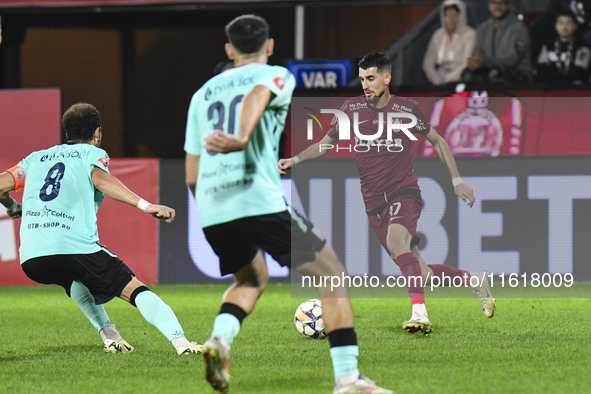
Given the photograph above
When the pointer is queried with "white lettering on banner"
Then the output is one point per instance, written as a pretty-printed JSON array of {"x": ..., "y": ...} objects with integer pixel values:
[
  {"x": 356, "y": 230},
  {"x": 7, "y": 240},
  {"x": 321, "y": 207},
  {"x": 560, "y": 191},
  {"x": 437, "y": 246},
  {"x": 473, "y": 224},
  {"x": 320, "y": 79}
]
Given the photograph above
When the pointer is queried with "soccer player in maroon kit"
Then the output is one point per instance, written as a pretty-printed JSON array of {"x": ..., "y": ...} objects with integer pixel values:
[{"x": 390, "y": 187}]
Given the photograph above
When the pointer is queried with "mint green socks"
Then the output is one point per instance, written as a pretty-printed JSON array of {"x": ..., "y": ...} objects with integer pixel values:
[
  {"x": 85, "y": 301},
  {"x": 160, "y": 315},
  {"x": 227, "y": 326}
]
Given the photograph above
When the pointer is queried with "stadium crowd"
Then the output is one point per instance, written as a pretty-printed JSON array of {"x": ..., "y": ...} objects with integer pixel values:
[{"x": 553, "y": 46}]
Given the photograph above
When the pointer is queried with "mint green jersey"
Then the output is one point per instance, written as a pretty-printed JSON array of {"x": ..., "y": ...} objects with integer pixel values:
[
  {"x": 60, "y": 201},
  {"x": 244, "y": 183}
]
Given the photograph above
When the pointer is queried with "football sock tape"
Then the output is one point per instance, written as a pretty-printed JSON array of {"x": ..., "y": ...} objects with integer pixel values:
[
  {"x": 342, "y": 337},
  {"x": 135, "y": 293},
  {"x": 234, "y": 310}
]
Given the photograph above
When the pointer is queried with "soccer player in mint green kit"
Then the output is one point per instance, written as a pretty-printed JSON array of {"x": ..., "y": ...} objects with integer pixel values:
[
  {"x": 233, "y": 128},
  {"x": 64, "y": 187}
]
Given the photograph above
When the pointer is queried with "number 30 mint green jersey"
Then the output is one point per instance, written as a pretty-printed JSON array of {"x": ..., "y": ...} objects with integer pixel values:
[
  {"x": 244, "y": 183},
  {"x": 60, "y": 201}
]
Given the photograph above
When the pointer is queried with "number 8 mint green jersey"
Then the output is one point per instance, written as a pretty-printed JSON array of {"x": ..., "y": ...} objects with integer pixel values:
[
  {"x": 60, "y": 201},
  {"x": 244, "y": 183}
]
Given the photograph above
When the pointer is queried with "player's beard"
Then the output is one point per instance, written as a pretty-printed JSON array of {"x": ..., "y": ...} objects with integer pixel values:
[{"x": 373, "y": 100}]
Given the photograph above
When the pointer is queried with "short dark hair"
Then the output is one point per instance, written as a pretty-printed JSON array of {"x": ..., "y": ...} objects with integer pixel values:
[
  {"x": 248, "y": 33},
  {"x": 566, "y": 12},
  {"x": 376, "y": 59},
  {"x": 80, "y": 122}
]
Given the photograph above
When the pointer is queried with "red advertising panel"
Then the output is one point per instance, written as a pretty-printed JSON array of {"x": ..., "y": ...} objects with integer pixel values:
[
  {"x": 32, "y": 119},
  {"x": 478, "y": 125},
  {"x": 475, "y": 124},
  {"x": 125, "y": 230}
]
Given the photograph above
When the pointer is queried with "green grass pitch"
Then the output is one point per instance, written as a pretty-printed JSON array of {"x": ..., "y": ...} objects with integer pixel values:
[{"x": 530, "y": 346}]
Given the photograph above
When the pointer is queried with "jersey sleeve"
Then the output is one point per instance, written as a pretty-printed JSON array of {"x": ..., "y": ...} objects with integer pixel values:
[
  {"x": 24, "y": 163},
  {"x": 192, "y": 140},
  {"x": 97, "y": 157},
  {"x": 423, "y": 126},
  {"x": 281, "y": 82}
]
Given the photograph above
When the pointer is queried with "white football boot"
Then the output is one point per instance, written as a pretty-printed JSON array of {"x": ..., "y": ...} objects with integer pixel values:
[
  {"x": 114, "y": 346},
  {"x": 483, "y": 292},
  {"x": 193, "y": 348},
  {"x": 361, "y": 385}
]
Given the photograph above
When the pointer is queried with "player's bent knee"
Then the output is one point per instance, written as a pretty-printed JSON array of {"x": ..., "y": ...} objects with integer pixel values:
[
  {"x": 136, "y": 292},
  {"x": 259, "y": 282},
  {"x": 396, "y": 248},
  {"x": 255, "y": 275},
  {"x": 133, "y": 288}
]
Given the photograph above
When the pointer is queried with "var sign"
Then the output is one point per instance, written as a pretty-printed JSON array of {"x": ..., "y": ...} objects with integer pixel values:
[{"x": 326, "y": 74}]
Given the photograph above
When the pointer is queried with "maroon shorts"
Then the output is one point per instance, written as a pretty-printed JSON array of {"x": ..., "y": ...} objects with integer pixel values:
[{"x": 404, "y": 210}]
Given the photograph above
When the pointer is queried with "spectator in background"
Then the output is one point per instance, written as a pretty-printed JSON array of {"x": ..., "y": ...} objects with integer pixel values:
[
  {"x": 542, "y": 29},
  {"x": 502, "y": 50},
  {"x": 450, "y": 46},
  {"x": 566, "y": 56},
  {"x": 582, "y": 13}
]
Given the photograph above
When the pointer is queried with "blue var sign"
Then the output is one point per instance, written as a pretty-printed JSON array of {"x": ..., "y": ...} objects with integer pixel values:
[{"x": 324, "y": 74}]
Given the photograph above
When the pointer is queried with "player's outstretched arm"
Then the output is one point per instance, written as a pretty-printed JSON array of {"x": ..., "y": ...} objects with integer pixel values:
[
  {"x": 253, "y": 106},
  {"x": 312, "y": 152},
  {"x": 13, "y": 208},
  {"x": 441, "y": 146},
  {"x": 115, "y": 189}
]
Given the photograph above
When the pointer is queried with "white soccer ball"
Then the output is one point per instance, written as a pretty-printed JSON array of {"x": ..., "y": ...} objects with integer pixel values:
[{"x": 308, "y": 319}]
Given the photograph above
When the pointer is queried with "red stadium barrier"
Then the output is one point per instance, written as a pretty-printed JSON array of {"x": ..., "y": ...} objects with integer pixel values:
[
  {"x": 125, "y": 230},
  {"x": 32, "y": 119}
]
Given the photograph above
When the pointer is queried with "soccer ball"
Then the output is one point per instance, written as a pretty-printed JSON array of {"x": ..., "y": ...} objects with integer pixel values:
[{"x": 308, "y": 319}]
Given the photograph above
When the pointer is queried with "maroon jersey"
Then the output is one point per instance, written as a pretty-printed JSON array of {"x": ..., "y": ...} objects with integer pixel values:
[{"x": 385, "y": 165}]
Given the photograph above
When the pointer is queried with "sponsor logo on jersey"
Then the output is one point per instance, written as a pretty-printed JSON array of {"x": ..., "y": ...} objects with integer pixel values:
[
  {"x": 223, "y": 169},
  {"x": 60, "y": 155},
  {"x": 104, "y": 162},
  {"x": 49, "y": 212},
  {"x": 212, "y": 91},
  {"x": 356, "y": 106},
  {"x": 279, "y": 82}
]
